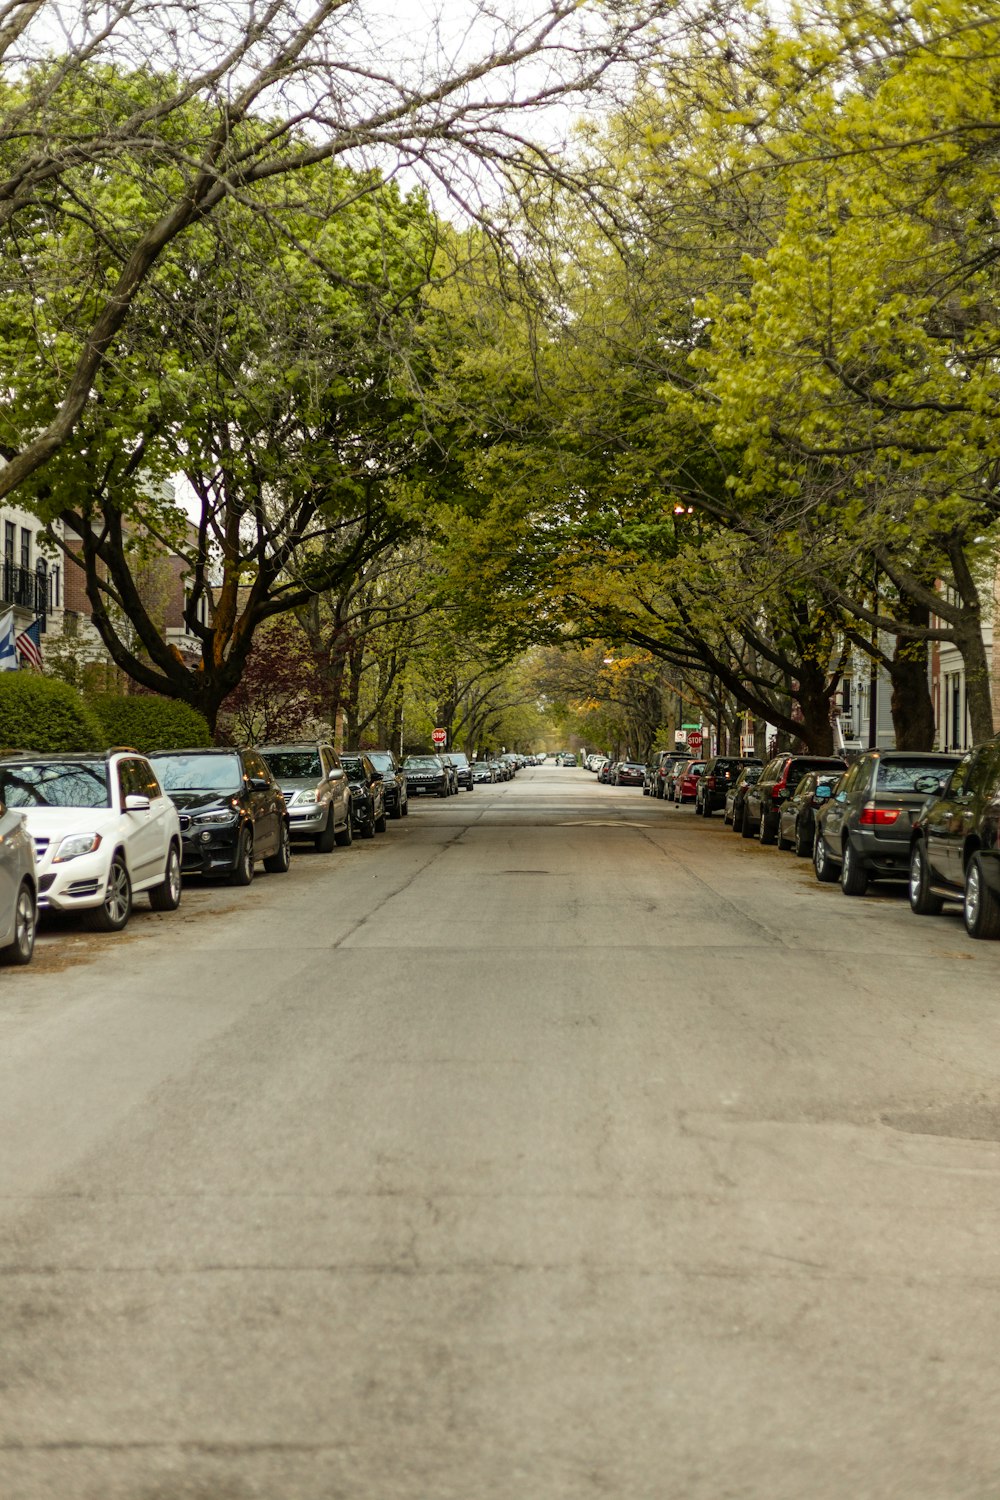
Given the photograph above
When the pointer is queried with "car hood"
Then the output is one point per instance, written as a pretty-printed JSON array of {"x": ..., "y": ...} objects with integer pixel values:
[
  {"x": 299, "y": 783},
  {"x": 50, "y": 822},
  {"x": 195, "y": 802}
]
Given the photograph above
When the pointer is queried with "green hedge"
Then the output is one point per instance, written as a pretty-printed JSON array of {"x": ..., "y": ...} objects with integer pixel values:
[
  {"x": 44, "y": 714},
  {"x": 148, "y": 723}
]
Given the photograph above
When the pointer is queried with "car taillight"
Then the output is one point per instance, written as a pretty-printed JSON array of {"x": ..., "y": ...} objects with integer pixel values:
[
  {"x": 872, "y": 816},
  {"x": 710, "y": 781}
]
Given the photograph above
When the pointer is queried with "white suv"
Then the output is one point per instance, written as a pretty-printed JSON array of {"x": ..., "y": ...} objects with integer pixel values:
[{"x": 102, "y": 828}]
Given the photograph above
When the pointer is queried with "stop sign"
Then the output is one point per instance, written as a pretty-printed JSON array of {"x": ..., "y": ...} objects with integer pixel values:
[
  {"x": 440, "y": 736},
  {"x": 694, "y": 740}
]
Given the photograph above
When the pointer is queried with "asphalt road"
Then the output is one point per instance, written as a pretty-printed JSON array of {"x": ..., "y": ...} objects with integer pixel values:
[{"x": 554, "y": 1145}]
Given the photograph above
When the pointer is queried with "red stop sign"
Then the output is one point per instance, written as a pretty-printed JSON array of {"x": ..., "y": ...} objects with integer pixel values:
[
  {"x": 694, "y": 740},
  {"x": 440, "y": 736}
]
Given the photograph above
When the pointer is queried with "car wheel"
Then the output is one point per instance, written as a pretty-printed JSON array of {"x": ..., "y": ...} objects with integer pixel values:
[
  {"x": 167, "y": 895},
  {"x": 367, "y": 830},
  {"x": 396, "y": 810},
  {"x": 444, "y": 792},
  {"x": 380, "y": 823},
  {"x": 406, "y": 807},
  {"x": 114, "y": 912},
  {"x": 278, "y": 862},
  {"x": 706, "y": 809},
  {"x": 922, "y": 899},
  {"x": 781, "y": 841},
  {"x": 801, "y": 842},
  {"x": 765, "y": 832},
  {"x": 853, "y": 875},
  {"x": 21, "y": 949},
  {"x": 325, "y": 841},
  {"x": 981, "y": 906},
  {"x": 822, "y": 863},
  {"x": 746, "y": 827},
  {"x": 345, "y": 836},
  {"x": 243, "y": 873}
]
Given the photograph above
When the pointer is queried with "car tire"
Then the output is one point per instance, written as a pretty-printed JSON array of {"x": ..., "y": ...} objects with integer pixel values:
[
  {"x": 167, "y": 895},
  {"x": 853, "y": 875},
  {"x": 444, "y": 792},
  {"x": 380, "y": 823},
  {"x": 746, "y": 827},
  {"x": 822, "y": 863},
  {"x": 345, "y": 836},
  {"x": 706, "y": 809},
  {"x": 780, "y": 840},
  {"x": 367, "y": 830},
  {"x": 764, "y": 831},
  {"x": 25, "y": 922},
  {"x": 923, "y": 902},
  {"x": 113, "y": 913},
  {"x": 800, "y": 844},
  {"x": 405, "y": 811},
  {"x": 242, "y": 873},
  {"x": 396, "y": 810},
  {"x": 278, "y": 862},
  {"x": 981, "y": 905},
  {"x": 325, "y": 841}
]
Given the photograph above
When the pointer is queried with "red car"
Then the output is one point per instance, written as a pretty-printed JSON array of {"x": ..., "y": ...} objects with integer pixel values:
[{"x": 686, "y": 785}]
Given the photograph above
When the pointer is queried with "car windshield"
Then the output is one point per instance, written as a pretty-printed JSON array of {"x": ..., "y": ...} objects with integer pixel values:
[
  {"x": 353, "y": 765},
  {"x": 460, "y": 759},
  {"x": 422, "y": 763},
  {"x": 381, "y": 762},
  {"x": 902, "y": 776},
  {"x": 294, "y": 765},
  {"x": 198, "y": 773},
  {"x": 55, "y": 784}
]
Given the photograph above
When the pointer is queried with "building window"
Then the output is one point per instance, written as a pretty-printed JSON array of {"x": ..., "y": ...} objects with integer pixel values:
[
  {"x": 25, "y": 549},
  {"x": 9, "y": 531}
]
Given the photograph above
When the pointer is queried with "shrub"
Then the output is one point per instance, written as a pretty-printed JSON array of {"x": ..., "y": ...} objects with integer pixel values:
[
  {"x": 45, "y": 715},
  {"x": 148, "y": 723}
]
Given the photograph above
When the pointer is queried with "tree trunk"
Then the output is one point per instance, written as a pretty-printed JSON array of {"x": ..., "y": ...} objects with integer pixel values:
[
  {"x": 813, "y": 698},
  {"x": 912, "y": 705}
]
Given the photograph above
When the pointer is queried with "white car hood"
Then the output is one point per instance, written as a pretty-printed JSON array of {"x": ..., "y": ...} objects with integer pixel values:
[{"x": 57, "y": 822}]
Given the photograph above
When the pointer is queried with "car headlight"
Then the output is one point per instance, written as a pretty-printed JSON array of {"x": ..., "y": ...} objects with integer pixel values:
[
  {"x": 76, "y": 844},
  {"x": 301, "y": 799},
  {"x": 224, "y": 815}
]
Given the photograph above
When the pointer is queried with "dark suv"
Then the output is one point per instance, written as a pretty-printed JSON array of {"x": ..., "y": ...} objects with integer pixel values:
[
  {"x": 367, "y": 794},
  {"x": 778, "y": 780},
  {"x": 397, "y": 802},
  {"x": 955, "y": 844},
  {"x": 231, "y": 809},
  {"x": 864, "y": 829},
  {"x": 718, "y": 776}
]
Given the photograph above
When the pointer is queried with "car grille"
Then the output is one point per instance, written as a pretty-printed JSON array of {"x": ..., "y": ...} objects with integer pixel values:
[
  {"x": 185, "y": 822},
  {"x": 41, "y": 845}
]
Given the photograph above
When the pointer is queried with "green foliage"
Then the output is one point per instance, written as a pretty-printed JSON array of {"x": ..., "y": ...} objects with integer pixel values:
[
  {"x": 148, "y": 723},
  {"x": 42, "y": 714}
]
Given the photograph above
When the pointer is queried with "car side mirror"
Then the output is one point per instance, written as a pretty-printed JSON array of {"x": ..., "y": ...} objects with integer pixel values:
[
  {"x": 259, "y": 783},
  {"x": 337, "y": 774},
  {"x": 821, "y": 794},
  {"x": 135, "y": 803},
  {"x": 376, "y": 776}
]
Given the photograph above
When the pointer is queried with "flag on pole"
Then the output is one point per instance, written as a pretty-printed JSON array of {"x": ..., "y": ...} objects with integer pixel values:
[
  {"x": 8, "y": 654},
  {"x": 29, "y": 644}
]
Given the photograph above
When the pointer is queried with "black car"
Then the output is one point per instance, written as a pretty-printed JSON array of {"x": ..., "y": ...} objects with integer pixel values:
[
  {"x": 864, "y": 831},
  {"x": 778, "y": 780},
  {"x": 955, "y": 844},
  {"x": 427, "y": 773},
  {"x": 797, "y": 818},
  {"x": 397, "y": 802},
  {"x": 463, "y": 768},
  {"x": 736, "y": 796},
  {"x": 718, "y": 776},
  {"x": 232, "y": 812},
  {"x": 629, "y": 773},
  {"x": 367, "y": 794}
]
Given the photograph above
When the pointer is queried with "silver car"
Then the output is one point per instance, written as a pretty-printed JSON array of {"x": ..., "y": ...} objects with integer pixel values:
[
  {"x": 316, "y": 791},
  {"x": 18, "y": 889}
]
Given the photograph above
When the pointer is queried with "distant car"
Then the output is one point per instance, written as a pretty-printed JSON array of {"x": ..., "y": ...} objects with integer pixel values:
[
  {"x": 232, "y": 812},
  {"x": 649, "y": 779},
  {"x": 606, "y": 772},
  {"x": 686, "y": 782},
  {"x": 864, "y": 830},
  {"x": 451, "y": 767},
  {"x": 367, "y": 794},
  {"x": 463, "y": 769},
  {"x": 316, "y": 792},
  {"x": 103, "y": 831},
  {"x": 397, "y": 800},
  {"x": 797, "y": 819},
  {"x": 778, "y": 781},
  {"x": 427, "y": 773},
  {"x": 666, "y": 763},
  {"x": 736, "y": 795},
  {"x": 18, "y": 888},
  {"x": 720, "y": 772},
  {"x": 955, "y": 843},
  {"x": 629, "y": 773},
  {"x": 483, "y": 773}
]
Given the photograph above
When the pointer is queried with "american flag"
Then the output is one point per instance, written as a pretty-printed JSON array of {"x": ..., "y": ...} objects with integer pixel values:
[{"x": 29, "y": 645}]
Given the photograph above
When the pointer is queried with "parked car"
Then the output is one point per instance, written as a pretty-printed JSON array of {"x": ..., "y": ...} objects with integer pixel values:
[
  {"x": 629, "y": 773},
  {"x": 797, "y": 818},
  {"x": 674, "y": 770},
  {"x": 686, "y": 781},
  {"x": 736, "y": 796},
  {"x": 463, "y": 769},
  {"x": 484, "y": 773},
  {"x": 397, "y": 800},
  {"x": 18, "y": 888},
  {"x": 504, "y": 771},
  {"x": 864, "y": 831},
  {"x": 231, "y": 809},
  {"x": 649, "y": 779},
  {"x": 666, "y": 763},
  {"x": 452, "y": 769},
  {"x": 315, "y": 789},
  {"x": 955, "y": 844},
  {"x": 427, "y": 773},
  {"x": 719, "y": 774},
  {"x": 367, "y": 794},
  {"x": 102, "y": 829},
  {"x": 606, "y": 772},
  {"x": 778, "y": 781}
]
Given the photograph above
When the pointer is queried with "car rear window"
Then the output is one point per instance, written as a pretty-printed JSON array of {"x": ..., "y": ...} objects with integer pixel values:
[{"x": 901, "y": 776}]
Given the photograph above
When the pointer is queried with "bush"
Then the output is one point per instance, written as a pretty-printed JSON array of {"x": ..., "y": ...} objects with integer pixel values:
[
  {"x": 45, "y": 715},
  {"x": 147, "y": 723}
]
